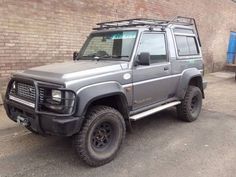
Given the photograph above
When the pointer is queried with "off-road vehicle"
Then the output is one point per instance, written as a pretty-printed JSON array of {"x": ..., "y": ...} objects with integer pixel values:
[{"x": 125, "y": 71}]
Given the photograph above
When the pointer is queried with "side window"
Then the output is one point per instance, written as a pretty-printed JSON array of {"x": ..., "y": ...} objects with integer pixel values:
[
  {"x": 155, "y": 45},
  {"x": 186, "y": 45}
]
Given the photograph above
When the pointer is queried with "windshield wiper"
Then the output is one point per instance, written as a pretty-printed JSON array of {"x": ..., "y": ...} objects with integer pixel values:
[
  {"x": 116, "y": 56},
  {"x": 89, "y": 56},
  {"x": 95, "y": 57}
]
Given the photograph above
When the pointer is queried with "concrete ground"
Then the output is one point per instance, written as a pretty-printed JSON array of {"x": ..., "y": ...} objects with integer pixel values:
[{"x": 159, "y": 146}]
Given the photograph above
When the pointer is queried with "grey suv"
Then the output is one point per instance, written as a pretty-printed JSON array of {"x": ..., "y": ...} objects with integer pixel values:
[{"x": 125, "y": 71}]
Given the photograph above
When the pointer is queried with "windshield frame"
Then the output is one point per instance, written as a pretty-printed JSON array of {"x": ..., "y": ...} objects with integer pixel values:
[{"x": 108, "y": 59}]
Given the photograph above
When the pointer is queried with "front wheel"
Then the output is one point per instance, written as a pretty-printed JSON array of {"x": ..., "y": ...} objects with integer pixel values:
[
  {"x": 191, "y": 105},
  {"x": 101, "y": 136}
]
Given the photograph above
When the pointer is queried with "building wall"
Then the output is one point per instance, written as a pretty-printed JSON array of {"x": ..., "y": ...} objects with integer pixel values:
[{"x": 36, "y": 32}]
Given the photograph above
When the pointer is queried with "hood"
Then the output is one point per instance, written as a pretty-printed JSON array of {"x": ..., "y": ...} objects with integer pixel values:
[{"x": 73, "y": 70}]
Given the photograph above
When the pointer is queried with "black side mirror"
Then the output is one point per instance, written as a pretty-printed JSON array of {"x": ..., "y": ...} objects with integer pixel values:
[
  {"x": 144, "y": 58},
  {"x": 75, "y": 55}
]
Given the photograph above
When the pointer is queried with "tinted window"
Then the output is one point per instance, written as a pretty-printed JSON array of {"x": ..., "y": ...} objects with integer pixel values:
[
  {"x": 155, "y": 45},
  {"x": 186, "y": 45}
]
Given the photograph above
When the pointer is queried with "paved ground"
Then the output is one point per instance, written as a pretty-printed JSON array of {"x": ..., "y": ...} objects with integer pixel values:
[
  {"x": 221, "y": 93},
  {"x": 159, "y": 146}
]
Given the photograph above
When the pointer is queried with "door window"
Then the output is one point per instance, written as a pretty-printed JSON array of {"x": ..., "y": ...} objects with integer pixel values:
[{"x": 155, "y": 45}]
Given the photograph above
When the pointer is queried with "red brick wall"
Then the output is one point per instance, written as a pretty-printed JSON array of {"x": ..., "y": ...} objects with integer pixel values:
[{"x": 36, "y": 32}]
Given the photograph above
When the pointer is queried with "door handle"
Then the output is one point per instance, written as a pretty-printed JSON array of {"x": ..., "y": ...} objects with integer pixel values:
[{"x": 166, "y": 68}]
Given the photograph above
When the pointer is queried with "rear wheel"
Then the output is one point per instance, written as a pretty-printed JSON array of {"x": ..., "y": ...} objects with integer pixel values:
[
  {"x": 101, "y": 136},
  {"x": 191, "y": 106}
]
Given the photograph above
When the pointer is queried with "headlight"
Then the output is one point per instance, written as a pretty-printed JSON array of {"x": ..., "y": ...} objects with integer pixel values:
[
  {"x": 56, "y": 100},
  {"x": 56, "y": 95}
]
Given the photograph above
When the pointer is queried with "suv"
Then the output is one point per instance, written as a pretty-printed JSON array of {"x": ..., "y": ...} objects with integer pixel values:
[{"x": 125, "y": 71}]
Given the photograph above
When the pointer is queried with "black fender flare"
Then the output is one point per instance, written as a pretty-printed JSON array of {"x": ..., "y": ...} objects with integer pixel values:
[
  {"x": 185, "y": 79},
  {"x": 88, "y": 94}
]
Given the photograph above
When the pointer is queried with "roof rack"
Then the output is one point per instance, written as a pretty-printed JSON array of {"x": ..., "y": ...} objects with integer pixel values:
[
  {"x": 185, "y": 21},
  {"x": 130, "y": 23}
]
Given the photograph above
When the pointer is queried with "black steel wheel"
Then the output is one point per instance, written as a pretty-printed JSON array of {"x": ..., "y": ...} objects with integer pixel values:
[
  {"x": 191, "y": 106},
  {"x": 101, "y": 136}
]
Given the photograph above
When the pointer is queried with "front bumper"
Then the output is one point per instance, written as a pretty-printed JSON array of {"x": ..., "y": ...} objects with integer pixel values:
[{"x": 43, "y": 124}]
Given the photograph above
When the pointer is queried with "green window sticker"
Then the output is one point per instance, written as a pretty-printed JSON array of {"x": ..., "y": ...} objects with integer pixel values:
[{"x": 124, "y": 35}]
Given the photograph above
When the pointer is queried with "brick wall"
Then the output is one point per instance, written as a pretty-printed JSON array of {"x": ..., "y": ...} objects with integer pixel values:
[{"x": 36, "y": 32}]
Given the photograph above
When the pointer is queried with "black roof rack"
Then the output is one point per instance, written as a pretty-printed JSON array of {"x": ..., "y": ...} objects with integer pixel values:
[
  {"x": 185, "y": 21},
  {"x": 130, "y": 23}
]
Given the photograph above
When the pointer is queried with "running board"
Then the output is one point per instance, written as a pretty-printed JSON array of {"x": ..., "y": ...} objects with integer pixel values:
[{"x": 153, "y": 111}]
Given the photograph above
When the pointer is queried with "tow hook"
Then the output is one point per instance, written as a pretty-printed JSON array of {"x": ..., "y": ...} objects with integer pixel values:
[{"x": 22, "y": 121}]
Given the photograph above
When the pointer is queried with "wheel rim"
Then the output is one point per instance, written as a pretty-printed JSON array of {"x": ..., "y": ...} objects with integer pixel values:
[
  {"x": 194, "y": 104},
  {"x": 102, "y": 136}
]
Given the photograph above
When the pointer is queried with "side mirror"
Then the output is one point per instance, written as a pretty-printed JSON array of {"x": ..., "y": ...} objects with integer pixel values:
[
  {"x": 75, "y": 55},
  {"x": 144, "y": 58}
]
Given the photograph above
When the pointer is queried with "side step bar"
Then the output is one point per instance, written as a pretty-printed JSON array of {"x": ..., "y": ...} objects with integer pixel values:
[{"x": 153, "y": 111}]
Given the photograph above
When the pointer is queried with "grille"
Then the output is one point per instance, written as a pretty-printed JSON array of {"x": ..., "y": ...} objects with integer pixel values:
[
  {"x": 41, "y": 94},
  {"x": 23, "y": 90}
]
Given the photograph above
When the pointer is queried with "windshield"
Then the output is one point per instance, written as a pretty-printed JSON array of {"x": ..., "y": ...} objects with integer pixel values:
[{"x": 110, "y": 45}]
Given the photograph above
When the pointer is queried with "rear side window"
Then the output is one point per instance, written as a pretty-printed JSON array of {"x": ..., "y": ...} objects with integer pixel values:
[{"x": 186, "y": 45}]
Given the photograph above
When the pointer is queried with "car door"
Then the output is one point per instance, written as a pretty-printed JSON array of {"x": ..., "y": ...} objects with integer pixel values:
[{"x": 151, "y": 84}]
